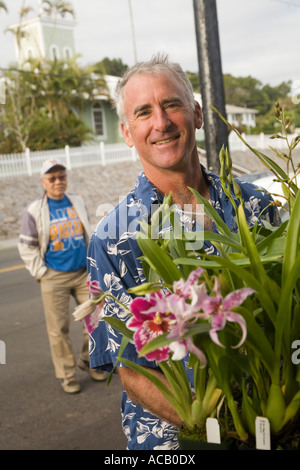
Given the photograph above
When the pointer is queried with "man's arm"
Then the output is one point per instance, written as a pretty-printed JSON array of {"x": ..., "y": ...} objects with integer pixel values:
[
  {"x": 143, "y": 392},
  {"x": 115, "y": 266},
  {"x": 28, "y": 247}
]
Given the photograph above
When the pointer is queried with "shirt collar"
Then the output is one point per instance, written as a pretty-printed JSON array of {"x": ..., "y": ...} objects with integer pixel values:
[{"x": 146, "y": 191}]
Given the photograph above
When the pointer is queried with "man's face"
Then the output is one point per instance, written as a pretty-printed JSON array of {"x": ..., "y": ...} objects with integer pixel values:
[
  {"x": 55, "y": 183},
  {"x": 161, "y": 123}
]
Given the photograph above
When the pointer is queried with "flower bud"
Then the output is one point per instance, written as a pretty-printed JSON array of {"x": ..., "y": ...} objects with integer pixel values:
[
  {"x": 287, "y": 122},
  {"x": 228, "y": 161},
  {"x": 237, "y": 190}
]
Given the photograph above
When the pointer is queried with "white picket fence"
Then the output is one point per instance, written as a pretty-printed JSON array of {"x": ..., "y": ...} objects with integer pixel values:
[
  {"x": 258, "y": 141},
  {"x": 29, "y": 163}
]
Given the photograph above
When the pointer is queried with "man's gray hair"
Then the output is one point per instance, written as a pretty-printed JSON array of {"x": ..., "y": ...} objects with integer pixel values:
[{"x": 159, "y": 64}]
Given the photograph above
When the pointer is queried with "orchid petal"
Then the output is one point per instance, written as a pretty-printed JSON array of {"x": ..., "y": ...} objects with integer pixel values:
[
  {"x": 218, "y": 323},
  {"x": 236, "y": 318},
  {"x": 84, "y": 309},
  {"x": 183, "y": 288},
  {"x": 179, "y": 350},
  {"x": 94, "y": 288},
  {"x": 92, "y": 320},
  {"x": 236, "y": 298},
  {"x": 139, "y": 306},
  {"x": 217, "y": 288},
  {"x": 196, "y": 351},
  {"x": 194, "y": 276}
]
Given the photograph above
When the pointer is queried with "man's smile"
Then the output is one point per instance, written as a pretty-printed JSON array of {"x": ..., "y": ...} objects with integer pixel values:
[{"x": 166, "y": 141}]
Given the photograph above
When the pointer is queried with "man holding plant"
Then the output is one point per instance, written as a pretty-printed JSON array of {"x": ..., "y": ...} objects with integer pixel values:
[{"x": 159, "y": 117}]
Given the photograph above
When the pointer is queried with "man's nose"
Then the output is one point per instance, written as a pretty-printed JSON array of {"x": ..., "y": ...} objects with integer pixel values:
[{"x": 161, "y": 120}]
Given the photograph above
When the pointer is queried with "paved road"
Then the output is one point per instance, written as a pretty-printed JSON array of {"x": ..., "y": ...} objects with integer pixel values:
[{"x": 35, "y": 414}]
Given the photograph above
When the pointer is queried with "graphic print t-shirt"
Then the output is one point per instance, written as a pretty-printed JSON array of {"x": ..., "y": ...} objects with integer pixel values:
[{"x": 67, "y": 249}]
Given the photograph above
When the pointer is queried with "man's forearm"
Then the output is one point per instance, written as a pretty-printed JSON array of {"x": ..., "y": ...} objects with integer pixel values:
[{"x": 147, "y": 395}]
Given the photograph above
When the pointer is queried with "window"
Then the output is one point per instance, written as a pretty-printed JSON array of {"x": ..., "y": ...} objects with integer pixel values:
[
  {"x": 54, "y": 52},
  {"x": 67, "y": 52},
  {"x": 98, "y": 119},
  {"x": 30, "y": 53}
]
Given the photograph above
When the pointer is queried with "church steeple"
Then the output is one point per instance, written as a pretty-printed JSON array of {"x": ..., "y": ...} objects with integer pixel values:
[{"x": 50, "y": 35}]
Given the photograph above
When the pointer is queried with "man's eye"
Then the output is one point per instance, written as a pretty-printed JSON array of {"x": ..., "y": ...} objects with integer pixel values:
[
  {"x": 172, "y": 105},
  {"x": 143, "y": 113}
]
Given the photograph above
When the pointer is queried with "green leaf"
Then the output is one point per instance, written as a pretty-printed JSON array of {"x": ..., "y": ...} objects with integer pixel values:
[
  {"x": 283, "y": 322},
  {"x": 256, "y": 339},
  {"x": 256, "y": 265},
  {"x": 212, "y": 213},
  {"x": 145, "y": 288},
  {"x": 124, "y": 343},
  {"x": 267, "y": 241},
  {"x": 159, "y": 261},
  {"x": 292, "y": 239},
  {"x": 267, "y": 161},
  {"x": 120, "y": 326},
  {"x": 292, "y": 409},
  {"x": 178, "y": 381}
]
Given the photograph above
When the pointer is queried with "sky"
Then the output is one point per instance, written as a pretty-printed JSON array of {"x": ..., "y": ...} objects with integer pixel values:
[{"x": 260, "y": 38}]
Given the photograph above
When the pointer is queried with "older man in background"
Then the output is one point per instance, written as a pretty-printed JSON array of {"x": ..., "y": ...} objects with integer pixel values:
[{"x": 54, "y": 236}]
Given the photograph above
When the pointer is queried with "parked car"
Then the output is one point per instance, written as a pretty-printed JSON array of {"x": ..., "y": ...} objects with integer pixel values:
[{"x": 265, "y": 180}]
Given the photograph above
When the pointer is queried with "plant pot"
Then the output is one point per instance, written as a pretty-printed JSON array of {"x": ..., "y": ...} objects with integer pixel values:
[
  {"x": 195, "y": 440},
  {"x": 191, "y": 444}
]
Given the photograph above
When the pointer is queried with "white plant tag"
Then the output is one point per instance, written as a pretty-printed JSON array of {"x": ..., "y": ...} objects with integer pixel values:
[
  {"x": 262, "y": 432},
  {"x": 213, "y": 431}
]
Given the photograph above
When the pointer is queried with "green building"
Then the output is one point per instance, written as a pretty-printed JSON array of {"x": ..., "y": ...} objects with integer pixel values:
[{"x": 53, "y": 38}]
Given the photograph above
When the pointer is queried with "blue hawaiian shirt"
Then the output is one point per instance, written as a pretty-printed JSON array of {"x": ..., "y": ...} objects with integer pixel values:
[{"x": 113, "y": 261}]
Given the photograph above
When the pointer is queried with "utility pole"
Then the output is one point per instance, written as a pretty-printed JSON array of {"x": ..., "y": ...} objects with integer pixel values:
[
  {"x": 211, "y": 79},
  {"x": 132, "y": 31}
]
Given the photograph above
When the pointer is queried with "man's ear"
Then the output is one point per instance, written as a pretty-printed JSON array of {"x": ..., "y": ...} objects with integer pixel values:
[
  {"x": 198, "y": 115},
  {"x": 42, "y": 180},
  {"x": 126, "y": 135}
]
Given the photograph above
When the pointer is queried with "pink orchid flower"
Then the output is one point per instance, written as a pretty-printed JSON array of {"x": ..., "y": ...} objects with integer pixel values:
[
  {"x": 94, "y": 289},
  {"x": 90, "y": 310},
  {"x": 175, "y": 313},
  {"x": 183, "y": 288},
  {"x": 185, "y": 315},
  {"x": 221, "y": 307},
  {"x": 93, "y": 319},
  {"x": 150, "y": 319}
]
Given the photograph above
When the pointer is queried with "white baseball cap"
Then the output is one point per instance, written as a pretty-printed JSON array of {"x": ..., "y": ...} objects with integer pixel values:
[{"x": 49, "y": 164}]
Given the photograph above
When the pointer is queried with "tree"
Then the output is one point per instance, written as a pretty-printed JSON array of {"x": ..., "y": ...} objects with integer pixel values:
[
  {"x": 113, "y": 67},
  {"x": 3, "y": 7},
  {"x": 19, "y": 31},
  {"x": 18, "y": 114},
  {"x": 45, "y": 103},
  {"x": 57, "y": 8}
]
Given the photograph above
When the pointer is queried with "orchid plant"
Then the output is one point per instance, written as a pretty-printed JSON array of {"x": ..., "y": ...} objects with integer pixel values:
[{"x": 235, "y": 316}]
